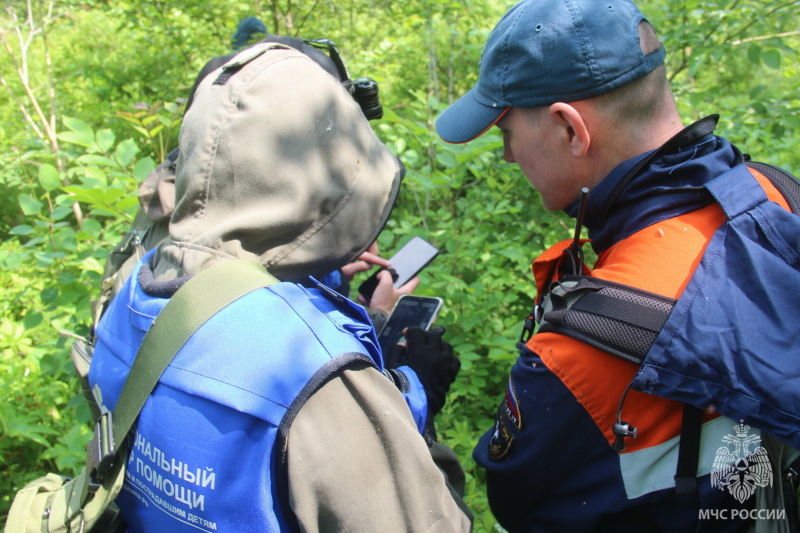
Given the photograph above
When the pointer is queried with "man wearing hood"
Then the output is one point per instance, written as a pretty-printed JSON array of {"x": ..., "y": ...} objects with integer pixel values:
[{"x": 279, "y": 413}]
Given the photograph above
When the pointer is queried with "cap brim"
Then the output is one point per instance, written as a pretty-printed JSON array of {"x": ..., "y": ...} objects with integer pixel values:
[{"x": 467, "y": 119}]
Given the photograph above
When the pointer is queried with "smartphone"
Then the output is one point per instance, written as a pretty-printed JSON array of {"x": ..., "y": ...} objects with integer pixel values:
[
  {"x": 415, "y": 255},
  {"x": 410, "y": 310}
]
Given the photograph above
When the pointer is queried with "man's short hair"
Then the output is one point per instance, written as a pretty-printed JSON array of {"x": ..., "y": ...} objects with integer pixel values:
[{"x": 637, "y": 101}]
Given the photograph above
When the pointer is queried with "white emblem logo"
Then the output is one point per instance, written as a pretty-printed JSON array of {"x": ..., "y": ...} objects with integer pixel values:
[{"x": 742, "y": 464}]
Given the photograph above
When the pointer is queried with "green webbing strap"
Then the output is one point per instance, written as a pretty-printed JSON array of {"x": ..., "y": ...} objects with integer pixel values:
[{"x": 200, "y": 298}]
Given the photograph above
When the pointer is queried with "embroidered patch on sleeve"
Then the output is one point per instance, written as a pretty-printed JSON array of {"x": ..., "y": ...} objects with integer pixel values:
[
  {"x": 509, "y": 412},
  {"x": 511, "y": 405},
  {"x": 501, "y": 441}
]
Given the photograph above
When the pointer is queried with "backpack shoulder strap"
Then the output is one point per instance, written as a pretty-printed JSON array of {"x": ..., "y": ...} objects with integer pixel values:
[
  {"x": 198, "y": 300},
  {"x": 786, "y": 183},
  {"x": 619, "y": 319}
]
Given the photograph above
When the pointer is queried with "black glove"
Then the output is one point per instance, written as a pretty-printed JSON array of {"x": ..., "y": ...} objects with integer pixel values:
[{"x": 433, "y": 361}]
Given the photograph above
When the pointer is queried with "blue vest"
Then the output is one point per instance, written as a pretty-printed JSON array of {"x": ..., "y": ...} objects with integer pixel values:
[{"x": 206, "y": 453}]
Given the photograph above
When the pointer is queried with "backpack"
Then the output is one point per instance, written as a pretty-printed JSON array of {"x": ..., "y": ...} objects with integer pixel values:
[
  {"x": 55, "y": 504},
  {"x": 646, "y": 329}
]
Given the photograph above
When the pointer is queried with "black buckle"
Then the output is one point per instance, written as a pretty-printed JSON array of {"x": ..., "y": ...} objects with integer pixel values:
[
  {"x": 101, "y": 450},
  {"x": 527, "y": 328}
]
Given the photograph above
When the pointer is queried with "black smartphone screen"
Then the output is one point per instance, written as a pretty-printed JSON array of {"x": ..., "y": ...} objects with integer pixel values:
[
  {"x": 410, "y": 310},
  {"x": 406, "y": 263}
]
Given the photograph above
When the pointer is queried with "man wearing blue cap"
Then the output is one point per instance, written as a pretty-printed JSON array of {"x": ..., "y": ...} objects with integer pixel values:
[{"x": 579, "y": 90}]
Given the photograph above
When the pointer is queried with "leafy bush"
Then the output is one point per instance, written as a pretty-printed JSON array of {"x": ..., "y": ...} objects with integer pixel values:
[{"x": 48, "y": 274}]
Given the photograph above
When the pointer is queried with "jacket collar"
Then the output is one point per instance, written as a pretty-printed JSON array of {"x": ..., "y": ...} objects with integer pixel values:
[{"x": 657, "y": 185}]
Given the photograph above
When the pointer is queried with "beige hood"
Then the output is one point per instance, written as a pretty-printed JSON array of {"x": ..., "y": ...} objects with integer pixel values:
[{"x": 279, "y": 166}]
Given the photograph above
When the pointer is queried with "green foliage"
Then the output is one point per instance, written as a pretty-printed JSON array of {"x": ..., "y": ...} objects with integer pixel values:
[
  {"x": 38, "y": 430},
  {"x": 740, "y": 58},
  {"x": 49, "y": 271},
  {"x": 157, "y": 123},
  {"x": 99, "y": 71}
]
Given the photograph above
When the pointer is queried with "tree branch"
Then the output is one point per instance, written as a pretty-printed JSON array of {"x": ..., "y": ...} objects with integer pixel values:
[
  {"x": 765, "y": 37},
  {"x": 22, "y": 109},
  {"x": 764, "y": 16}
]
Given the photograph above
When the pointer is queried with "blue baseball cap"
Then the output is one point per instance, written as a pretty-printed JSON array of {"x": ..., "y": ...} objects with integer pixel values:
[{"x": 547, "y": 51}]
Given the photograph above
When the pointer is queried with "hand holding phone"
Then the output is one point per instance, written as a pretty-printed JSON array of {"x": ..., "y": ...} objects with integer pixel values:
[
  {"x": 411, "y": 310},
  {"x": 385, "y": 296},
  {"x": 415, "y": 255},
  {"x": 366, "y": 261}
]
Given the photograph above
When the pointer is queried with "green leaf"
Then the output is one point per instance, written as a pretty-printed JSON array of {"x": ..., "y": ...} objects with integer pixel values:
[
  {"x": 696, "y": 98},
  {"x": 515, "y": 254},
  {"x": 155, "y": 131},
  {"x": 696, "y": 61},
  {"x": 100, "y": 211},
  {"x": 94, "y": 159},
  {"x": 48, "y": 258},
  {"x": 29, "y": 204},
  {"x": 112, "y": 195},
  {"x": 64, "y": 239},
  {"x": 33, "y": 432},
  {"x": 445, "y": 159},
  {"x": 772, "y": 58},
  {"x": 81, "y": 133},
  {"x": 12, "y": 261},
  {"x": 756, "y": 91},
  {"x": 89, "y": 196},
  {"x": 143, "y": 131},
  {"x": 49, "y": 177},
  {"x": 105, "y": 140},
  {"x": 60, "y": 212},
  {"x": 754, "y": 54},
  {"x": 143, "y": 168},
  {"x": 32, "y": 319},
  {"x": 22, "y": 229},
  {"x": 125, "y": 152},
  {"x": 92, "y": 228},
  {"x": 94, "y": 177},
  {"x": 127, "y": 203}
]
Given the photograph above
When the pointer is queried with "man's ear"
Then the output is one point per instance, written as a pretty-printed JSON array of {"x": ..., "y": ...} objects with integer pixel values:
[{"x": 574, "y": 127}]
